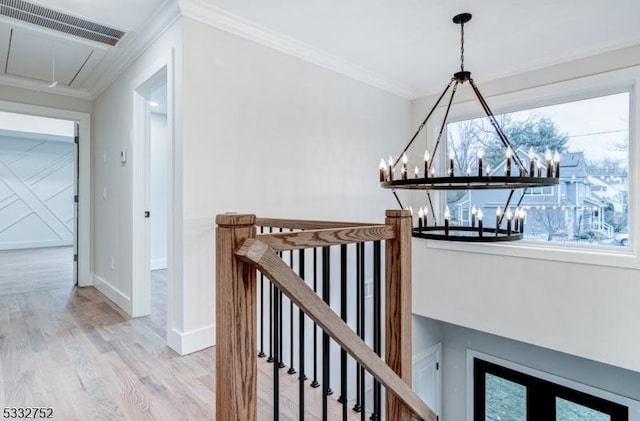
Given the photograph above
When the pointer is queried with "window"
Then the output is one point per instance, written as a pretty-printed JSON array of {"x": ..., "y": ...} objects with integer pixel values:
[
  {"x": 504, "y": 394},
  {"x": 590, "y": 207}
]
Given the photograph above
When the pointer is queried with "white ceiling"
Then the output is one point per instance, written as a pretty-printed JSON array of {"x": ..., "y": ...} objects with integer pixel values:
[
  {"x": 410, "y": 47},
  {"x": 414, "y": 44}
]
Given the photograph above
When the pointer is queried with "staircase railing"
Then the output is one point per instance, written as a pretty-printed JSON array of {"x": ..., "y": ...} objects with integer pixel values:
[{"x": 240, "y": 251}]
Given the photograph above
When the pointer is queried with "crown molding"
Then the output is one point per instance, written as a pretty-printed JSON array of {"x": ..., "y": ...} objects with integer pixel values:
[
  {"x": 40, "y": 86},
  {"x": 136, "y": 43},
  {"x": 212, "y": 15}
]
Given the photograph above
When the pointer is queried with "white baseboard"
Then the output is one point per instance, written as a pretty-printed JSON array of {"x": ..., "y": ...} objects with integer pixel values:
[
  {"x": 192, "y": 341},
  {"x": 157, "y": 264},
  {"x": 114, "y": 294}
]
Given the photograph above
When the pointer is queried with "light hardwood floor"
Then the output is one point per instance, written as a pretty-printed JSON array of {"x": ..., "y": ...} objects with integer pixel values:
[
  {"x": 70, "y": 348},
  {"x": 35, "y": 269}
]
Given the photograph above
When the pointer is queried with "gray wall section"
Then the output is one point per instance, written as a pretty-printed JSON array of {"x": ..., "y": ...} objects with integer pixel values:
[{"x": 456, "y": 340}]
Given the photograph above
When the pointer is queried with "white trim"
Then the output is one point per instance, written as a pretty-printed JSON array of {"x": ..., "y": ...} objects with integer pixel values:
[
  {"x": 607, "y": 83},
  {"x": 141, "y": 266},
  {"x": 167, "y": 14},
  {"x": 634, "y": 406},
  {"x": 118, "y": 297},
  {"x": 84, "y": 244},
  {"x": 37, "y": 85},
  {"x": 222, "y": 19},
  {"x": 191, "y": 341}
]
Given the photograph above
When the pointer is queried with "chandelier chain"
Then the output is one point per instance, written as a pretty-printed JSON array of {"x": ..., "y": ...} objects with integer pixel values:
[{"x": 462, "y": 47}]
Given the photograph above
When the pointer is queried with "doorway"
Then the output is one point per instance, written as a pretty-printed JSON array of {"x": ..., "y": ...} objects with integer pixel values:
[
  {"x": 39, "y": 185},
  {"x": 151, "y": 160}
]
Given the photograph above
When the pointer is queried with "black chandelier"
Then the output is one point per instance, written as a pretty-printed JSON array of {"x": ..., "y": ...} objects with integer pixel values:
[{"x": 426, "y": 179}]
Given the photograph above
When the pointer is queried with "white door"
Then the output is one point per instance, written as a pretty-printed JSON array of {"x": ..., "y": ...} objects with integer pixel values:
[{"x": 427, "y": 376}]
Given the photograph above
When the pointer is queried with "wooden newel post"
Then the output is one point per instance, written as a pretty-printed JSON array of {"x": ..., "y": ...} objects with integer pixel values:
[
  {"x": 398, "y": 299},
  {"x": 236, "y": 358}
]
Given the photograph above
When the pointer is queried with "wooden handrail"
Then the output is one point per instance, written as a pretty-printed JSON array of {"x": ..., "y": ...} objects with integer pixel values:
[
  {"x": 286, "y": 280},
  {"x": 285, "y": 241},
  {"x": 303, "y": 224}
]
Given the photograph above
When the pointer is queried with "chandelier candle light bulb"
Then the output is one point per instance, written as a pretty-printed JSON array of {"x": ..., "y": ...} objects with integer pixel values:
[
  {"x": 469, "y": 171},
  {"x": 480, "y": 215},
  {"x": 420, "y": 219},
  {"x": 556, "y": 164},
  {"x": 509, "y": 218},
  {"x": 474, "y": 211},
  {"x": 390, "y": 168},
  {"x": 539, "y": 169},
  {"x": 416, "y": 172},
  {"x": 516, "y": 219},
  {"x": 532, "y": 162},
  {"x": 404, "y": 166},
  {"x": 498, "y": 215},
  {"x": 547, "y": 158},
  {"x": 426, "y": 213},
  {"x": 383, "y": 171},
  {"x": 507, "y": 166},
  {"x": 447, "y": 216},
  {"x": 480, "y": 156},
  {"x": 452, "y": 157},
  {"x": 426, "y": 164}
]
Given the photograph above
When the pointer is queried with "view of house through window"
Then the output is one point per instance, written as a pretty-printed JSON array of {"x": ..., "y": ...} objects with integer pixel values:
[{"x": 590, "y": 205}]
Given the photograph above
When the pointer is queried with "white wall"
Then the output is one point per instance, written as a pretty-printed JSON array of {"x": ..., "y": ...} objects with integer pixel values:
[
  {"x": 158, "y": 191},
  {"x": 270, "y": 134},
  {"x": 457, "y": 340},
  {"x": 113, "y": 131},
  {"x": 581, "y": 309}
]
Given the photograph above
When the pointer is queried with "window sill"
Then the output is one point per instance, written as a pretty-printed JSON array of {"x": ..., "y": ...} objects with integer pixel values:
[{"x": 597, "y": 255}]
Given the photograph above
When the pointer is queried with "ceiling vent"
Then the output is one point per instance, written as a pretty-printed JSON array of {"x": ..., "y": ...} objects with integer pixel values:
[{"x": 52, "y": 19}]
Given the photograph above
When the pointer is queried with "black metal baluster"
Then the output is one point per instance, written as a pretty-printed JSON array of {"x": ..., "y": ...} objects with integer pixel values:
[
  {"x": 291, "y": 370},
  {"x": 315, "y": 383},
  {"x": 343, "y": 314},
  {"x": 261, "y": 354},
  {"x": 358, "y": 407},
  {"x": 302, "y": 377},
  {"x": 326, "y": 360},
  {"x": 277, "y": 354},
  {"x": 361, "y": 284},
  {"x": 377, "y": 325},
  {"x": 280, "y": 335},
  {"x": 271, "y": 323}
]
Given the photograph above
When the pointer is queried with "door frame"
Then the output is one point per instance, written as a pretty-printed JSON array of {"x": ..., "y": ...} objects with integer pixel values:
[
  {"x": 141, "y": 271},
  {"x": 82, "y": 233}
]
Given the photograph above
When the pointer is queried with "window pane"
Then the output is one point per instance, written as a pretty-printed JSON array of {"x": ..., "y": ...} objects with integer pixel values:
[
  {"x": 570, "y": 411},
  {"x": 591, "y": 204},
  {"x": 504, "y": 400}
]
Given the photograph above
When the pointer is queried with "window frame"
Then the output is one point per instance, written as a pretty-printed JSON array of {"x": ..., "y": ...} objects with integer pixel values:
[
  {"x": 541, "y": 394},
  {"x": 602, "y": 84},
  {"x": 563, "y": 388}
]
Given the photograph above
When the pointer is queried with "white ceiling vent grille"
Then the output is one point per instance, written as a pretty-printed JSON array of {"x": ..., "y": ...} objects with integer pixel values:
[{"x": 48, "y": 18}]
